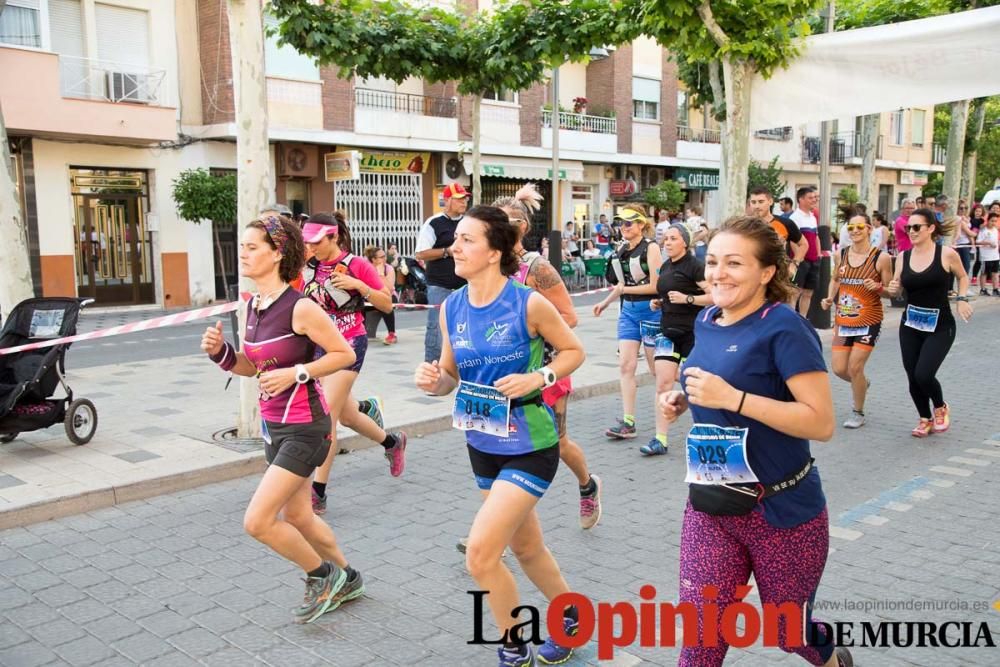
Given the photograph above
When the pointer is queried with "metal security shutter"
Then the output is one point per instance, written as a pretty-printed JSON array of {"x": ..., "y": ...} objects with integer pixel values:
[
  {"x": 66, "y": 26},
  {"x": 123, "y": 35},
  {"x": 507, "y": 187},
  {"x": 382, "y": 209}
]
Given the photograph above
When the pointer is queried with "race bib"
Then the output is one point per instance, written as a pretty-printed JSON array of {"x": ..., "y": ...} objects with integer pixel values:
[
  {"x": 922, "y": 319},
  {"x": 717, "y": 455},
  {"x": 664, "y": 346},
  {"x": 482, "y": 408},
  {"x": 649, "y": 331},
  {"x": 847, "y": 332}
]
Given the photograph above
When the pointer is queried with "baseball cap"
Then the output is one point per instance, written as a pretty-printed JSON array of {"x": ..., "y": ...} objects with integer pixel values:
[
  {"x": 455, "y": 191},
  {"x": 313, "y": 232},
  {"x": 280, "y": 208}
]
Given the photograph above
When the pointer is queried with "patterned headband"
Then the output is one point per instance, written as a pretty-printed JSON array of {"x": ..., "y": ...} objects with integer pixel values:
[{"x": 277, "y": 232}]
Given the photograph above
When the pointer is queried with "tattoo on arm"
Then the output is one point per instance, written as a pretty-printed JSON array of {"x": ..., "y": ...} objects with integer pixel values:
[{"x": 544, "y": 275}]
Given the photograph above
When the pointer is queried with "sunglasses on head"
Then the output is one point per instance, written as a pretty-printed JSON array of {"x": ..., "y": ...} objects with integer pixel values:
[{"x": 914, "y": 228}]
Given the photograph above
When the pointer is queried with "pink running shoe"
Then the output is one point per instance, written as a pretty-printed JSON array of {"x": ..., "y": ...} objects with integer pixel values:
[{"x": 397, "y": 454}]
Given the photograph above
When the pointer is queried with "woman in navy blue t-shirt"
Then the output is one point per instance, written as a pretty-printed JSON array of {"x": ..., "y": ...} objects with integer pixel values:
[{"x": 758, "y": 390}]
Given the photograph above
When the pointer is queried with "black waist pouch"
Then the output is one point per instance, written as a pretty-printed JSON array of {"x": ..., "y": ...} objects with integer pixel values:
[{"x": 724, "y": 499}]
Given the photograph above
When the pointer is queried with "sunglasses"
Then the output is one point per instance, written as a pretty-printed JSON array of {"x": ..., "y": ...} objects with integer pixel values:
[
  {"x": 914, "y": 228},
  {"x": 856, "y": 228},
  {"x": 628, "y": 223}
]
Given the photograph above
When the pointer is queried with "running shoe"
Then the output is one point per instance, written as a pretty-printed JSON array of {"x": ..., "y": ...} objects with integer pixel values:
[
  {"x": 974, "y": 281},
  {"x": 390, "y": 339},
  {"x": 942, "y": 419},
  {"x": 320, "y": 595},
  {"x": 353, "y": 588},
  {"x": 375, "y": 410},
  {"x": 923, "y": 429},
  {"x": 622, "y": 431},
  {"x": 653, "y": 448},
  {"x": 396, "y": 454},
  {"x": 510, "y": 658},
  {"x": 590, "y": 506},
  {"x": 856, "y": 420},
  {"x": 319, "y": 503},
  {"x": 551, "y": 653},
  {"x": 844, "y": 657},
  {"x": 983, "y": 291},
  {"x": 996, "y": 292}
]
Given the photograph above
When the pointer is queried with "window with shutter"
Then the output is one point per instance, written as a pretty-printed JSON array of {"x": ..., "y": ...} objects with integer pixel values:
[
  {"x": 66, "y": 27},
  {"x": 123, "y": 35},
  {"x": 21, "y": 24}
]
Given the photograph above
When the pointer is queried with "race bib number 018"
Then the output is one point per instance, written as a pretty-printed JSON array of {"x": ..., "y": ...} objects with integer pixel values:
[
  {"x": 649, "y": 331},
  {"x": 718, "y": 455},
  {"x": 482, "y": 408},
  {"x": 922, "y": 319}
]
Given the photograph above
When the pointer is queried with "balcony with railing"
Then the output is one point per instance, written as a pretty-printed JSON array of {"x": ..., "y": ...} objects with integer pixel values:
[
  {"x": 47, "y": 94},
  {"x": 699, "y": 143},
  {"x": 581, "y": 132},
  {"x": 407, "y": 115},
  {"x": 939, "y": 154},
  {"x": 775, "y": 134},
  {"x": 845, "y": 148}
]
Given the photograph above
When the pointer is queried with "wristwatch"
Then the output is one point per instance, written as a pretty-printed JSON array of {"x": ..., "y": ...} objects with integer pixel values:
[
  {"x": 690, "y": 299},
  {"x": 548, "y": 376},
  {"x": 301, "y": 374}
]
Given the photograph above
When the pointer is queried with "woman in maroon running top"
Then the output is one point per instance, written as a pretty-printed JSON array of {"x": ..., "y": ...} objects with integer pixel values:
[{"x": 283, "y": 332}]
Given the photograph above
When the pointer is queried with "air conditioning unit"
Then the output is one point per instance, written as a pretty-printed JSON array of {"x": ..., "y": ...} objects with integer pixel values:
[
  {"x": 654, "y": 176},
  {"x": 128, "y": 87},
  {"x": 453, "y": 170},
  {"x": 297, "y": 161}
]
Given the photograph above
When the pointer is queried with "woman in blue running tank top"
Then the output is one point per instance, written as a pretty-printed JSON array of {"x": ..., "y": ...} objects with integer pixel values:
[{"x": 495, "y": 330}]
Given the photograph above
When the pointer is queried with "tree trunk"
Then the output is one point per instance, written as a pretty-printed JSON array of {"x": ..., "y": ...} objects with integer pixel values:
[
  {"x": 738, "y": 75},
  {"x": 253, "y": 155},
  {"x": 15, "y": 278},
  {"x": 976, "y": 122},
  {"x": 953, "y": 163},
  {"x": 867, "y": 193},
  {"x": 477, "y": 124},
  {"x": 715, "y": 81}
]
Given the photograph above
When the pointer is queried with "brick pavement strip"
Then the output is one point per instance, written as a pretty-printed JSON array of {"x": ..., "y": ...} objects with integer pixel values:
[{"x": 76, "y": 590}]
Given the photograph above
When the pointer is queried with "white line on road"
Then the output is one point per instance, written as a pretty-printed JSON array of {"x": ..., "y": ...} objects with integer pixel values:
[
  {"x": 969, "y": 462},
  {"x": 943, "y": 483},
  {"x": 947, "y": 470},
  {"x": 898, "y": 507},
  {"x": 923, "y": 494},
  {"x": 845, "y": 533},
  {"x": 984, "y": 452},
  {"x": 874, "y": 520}
]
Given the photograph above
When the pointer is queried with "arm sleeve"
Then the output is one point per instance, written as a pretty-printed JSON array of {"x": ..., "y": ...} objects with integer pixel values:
[
  {"x": 699, "y": 272},
  {"x": 795, "y": 346},
  {"x": 426, "y": 238}
]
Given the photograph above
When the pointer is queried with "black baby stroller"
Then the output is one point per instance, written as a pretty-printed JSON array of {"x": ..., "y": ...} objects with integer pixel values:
[
  {"x": 415, "y": 287},
  {"x": 28, "y": 379}
]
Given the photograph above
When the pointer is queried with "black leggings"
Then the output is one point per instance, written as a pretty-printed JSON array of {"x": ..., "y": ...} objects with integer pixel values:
[
  {"x": 373, "y": 316},
  {"x": 923, "y": 353}
]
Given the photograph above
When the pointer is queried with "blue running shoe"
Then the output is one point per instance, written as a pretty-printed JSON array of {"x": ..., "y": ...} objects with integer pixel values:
[
  {"x": 654, "y": 448},
  {"x": 375, "y": 410},
  {"x": 510, "y": 658},
  {"x": 551, "y": 653}
]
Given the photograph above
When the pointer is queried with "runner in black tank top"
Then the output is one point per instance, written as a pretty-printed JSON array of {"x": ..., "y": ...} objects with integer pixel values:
[{"x": 927, "y": 329}]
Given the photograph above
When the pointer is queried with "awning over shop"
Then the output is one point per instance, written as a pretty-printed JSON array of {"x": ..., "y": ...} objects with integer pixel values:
[{"x": 526, "y": 168}]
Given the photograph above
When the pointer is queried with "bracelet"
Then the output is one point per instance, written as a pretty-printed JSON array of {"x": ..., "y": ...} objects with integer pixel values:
[
  {"x": 962, "y": 298},
  {"x": 739, "y": 410}
]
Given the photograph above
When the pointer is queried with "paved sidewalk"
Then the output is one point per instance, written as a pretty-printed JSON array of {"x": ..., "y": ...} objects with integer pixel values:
[
  {"x": 172, "y": 580},
  {"x": 156, "y": 419}
]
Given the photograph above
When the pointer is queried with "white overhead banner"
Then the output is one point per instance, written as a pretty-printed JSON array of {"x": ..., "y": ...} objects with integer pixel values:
[{"x": 857, "y": 72}]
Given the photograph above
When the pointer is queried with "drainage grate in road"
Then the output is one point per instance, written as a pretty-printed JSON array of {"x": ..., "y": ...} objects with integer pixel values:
[{"x": 228, "y": 439}]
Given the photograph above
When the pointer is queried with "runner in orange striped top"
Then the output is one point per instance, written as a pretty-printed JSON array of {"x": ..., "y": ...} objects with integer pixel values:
[{"x": 859, "y": 279}]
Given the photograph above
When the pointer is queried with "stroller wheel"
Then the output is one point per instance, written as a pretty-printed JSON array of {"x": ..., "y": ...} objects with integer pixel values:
[
  {"x": 81, "y": 421},
  {"x": 7, "y": 437}
]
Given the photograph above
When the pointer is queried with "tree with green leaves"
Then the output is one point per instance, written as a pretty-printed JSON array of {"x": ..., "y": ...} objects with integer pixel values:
[
  {"x": 666, "y": 195},
  {"x": 15, "y": 278},
  {"x": 201, "y": 195},
  {"x": 768, "y": 176},
  {"x": 734, "y": 41},
  {"x": 512, "y": 47}
]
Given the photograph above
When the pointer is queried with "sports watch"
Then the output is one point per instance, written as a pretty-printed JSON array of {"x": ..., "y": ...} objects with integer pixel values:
[
  {"x": 301, "y": 374},
  {"x": 548, "y": 376},
  {"x": 690, "y": 299}
]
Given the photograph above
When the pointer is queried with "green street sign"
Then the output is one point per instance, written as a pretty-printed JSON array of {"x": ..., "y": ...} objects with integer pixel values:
[
  {"x": 562, "y": 174},
  {"x": 697, "y": 179},
  {"x": 492, "y": 170}
]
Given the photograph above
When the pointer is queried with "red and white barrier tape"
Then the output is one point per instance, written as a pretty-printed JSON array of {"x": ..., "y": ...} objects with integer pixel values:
[
  {"x": 184, "y": 318},
  {"x": 154, "y": 323}
]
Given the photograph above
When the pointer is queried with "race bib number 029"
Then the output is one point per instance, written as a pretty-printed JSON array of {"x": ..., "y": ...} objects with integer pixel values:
[
  {"x": 717, "y": 455},
  {"x": 482, "y": 408}
]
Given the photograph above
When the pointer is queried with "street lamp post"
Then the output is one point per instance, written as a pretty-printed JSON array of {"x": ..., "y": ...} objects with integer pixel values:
[{"x": 821, "y": 318}]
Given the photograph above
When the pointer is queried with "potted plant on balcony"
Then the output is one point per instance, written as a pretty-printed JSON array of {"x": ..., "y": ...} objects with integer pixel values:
[{"x": 580, "y": 105}]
